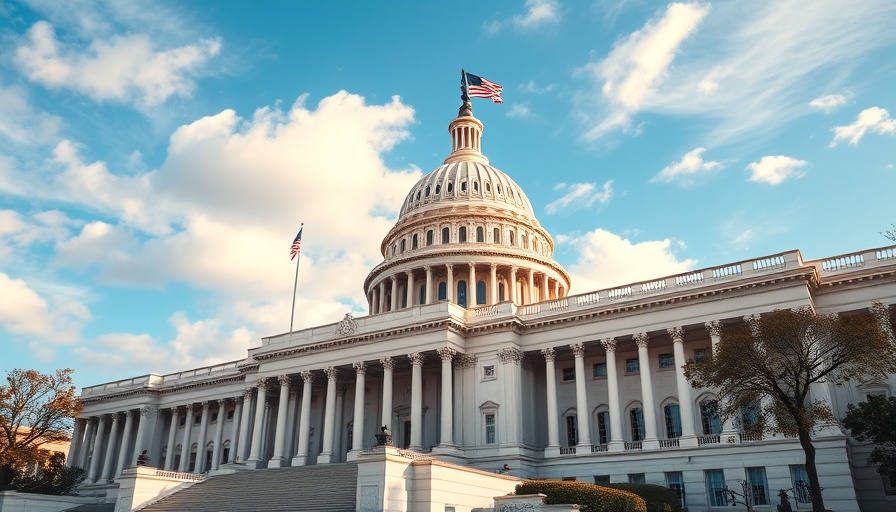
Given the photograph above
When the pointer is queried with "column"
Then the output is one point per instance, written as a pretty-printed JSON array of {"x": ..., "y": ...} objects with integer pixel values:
[
  {"x": 258, "y": 427},
  {"x": 301, "y": 457},
  {"x": 125, "y": 442},
  {"x": 685, "y": 403},
  {"x": 381, "y": 300},
  {"x": 449, "y": 285},
  {"x": 235, "y": 428},
  {"x": 531, "y": 291},
  {"x": 583, "y": 415},
  {"x": 493, "y": 280},
  {"x": 550, "y": 372},
  {"x": 338, "y": 423},
  {"x": 447, "y": 413},
  {"x": 410, "y": 288},
  {"x": 280, "y": 434},
  {"x": 416, "y": 400},
  {"x": 471, "y": 287},
  {"x": 714, "y": 328},
  {"x": 185, "y": 448},
  {"x": 95, "y": 457},
  {"x": 243, "y": 442},
  {"x": 388, "y": 367},
  {"x": 648, "y": 407},
  {"x": 219, "y": 434},
  {"x": 77, "y": 436},
  {"x": 428, "y": 270},
  {"x": 513, "y": 285},
  {"x": 393, "y": 299},
  {"x": 199, "y": 468},
  {"x": 358, "y": 417},
  {"x": 88, "y": 440},
  {"x": 617, "y": 444},
  {"x": 172, "y": 438},
  {"x": 110, "y": 449},
  {"x": 326, "y": 456}
]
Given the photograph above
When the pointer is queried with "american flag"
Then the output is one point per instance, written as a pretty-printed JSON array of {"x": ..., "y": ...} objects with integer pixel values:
[
  {"x": 296, "y": 245},
  {"x": 478, "y": 87}
]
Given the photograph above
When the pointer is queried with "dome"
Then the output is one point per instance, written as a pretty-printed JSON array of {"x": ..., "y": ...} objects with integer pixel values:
[{"x": 469, "y": 183}]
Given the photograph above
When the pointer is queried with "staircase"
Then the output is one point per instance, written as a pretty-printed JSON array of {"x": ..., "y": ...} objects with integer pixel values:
[{"x": 327, "y": 487}]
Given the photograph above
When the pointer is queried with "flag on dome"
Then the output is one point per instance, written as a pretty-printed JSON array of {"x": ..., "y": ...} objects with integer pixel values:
[
  {"x": 296, "y": 244},
  {"x": 478, "y": 87}
]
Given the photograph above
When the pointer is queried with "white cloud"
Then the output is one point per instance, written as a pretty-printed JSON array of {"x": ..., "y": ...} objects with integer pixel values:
[
  {"x": 27, "y": 313},
  {"x": 637, "y": 65},
  {"x": 874, "y": 119},
  {"x": 123, "y": 68},
  {"x": 828, "y": 103},
  {"x": 579, "y": 196},
  {"x": 775, "y": 169},
  {"x": 539, "y": 13},
  {"x": 519, "y": 110},
  {"x": 686, "y": 171},
  {"x": 606, "y": 260}
]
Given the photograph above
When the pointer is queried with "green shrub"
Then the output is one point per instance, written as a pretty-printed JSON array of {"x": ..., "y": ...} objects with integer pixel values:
[
  {"x": 657, "y": 497},
  {"x": 592, "y": 498}
]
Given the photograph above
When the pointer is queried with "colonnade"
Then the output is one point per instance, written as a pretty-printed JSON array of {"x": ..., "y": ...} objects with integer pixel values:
[{"x": 432, "y": 283}]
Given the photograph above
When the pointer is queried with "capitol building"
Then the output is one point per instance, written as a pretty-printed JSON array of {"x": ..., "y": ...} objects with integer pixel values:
[{"x": 473, "y": 353}]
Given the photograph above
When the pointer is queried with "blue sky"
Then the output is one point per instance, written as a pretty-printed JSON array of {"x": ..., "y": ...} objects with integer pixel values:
[{"x": 156, "y": 159}]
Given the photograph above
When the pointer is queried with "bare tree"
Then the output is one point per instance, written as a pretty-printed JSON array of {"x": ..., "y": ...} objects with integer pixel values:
[{"x": 781, "y": 357}]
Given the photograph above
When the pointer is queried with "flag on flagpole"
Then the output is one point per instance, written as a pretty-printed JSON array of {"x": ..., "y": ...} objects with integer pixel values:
[
  {"x": 296, "y": 245},
  {"x": 478, "y": 87}
]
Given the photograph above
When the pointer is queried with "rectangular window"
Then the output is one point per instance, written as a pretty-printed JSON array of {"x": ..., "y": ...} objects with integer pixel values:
[
  {"x": 602, "y": 479},
  {"x": 572, "y": 433},
  {"x": 715, "y": 487},
  {"x": 758, "y": 485},
  {"x": 636, "y": 478},
  {"x": 675, "y": 482},
  {"x": 569, "y": 375},
  {"x": 699, "y": 355},
  {"x": 667, "y": 361},
  {"x": 489, "y": 429},
  {"x": 632, "y": 365},
  {"x": 488, "y": 372},
  {"x": 599, "y": 370},
  {"x": 800, "y": 480}
]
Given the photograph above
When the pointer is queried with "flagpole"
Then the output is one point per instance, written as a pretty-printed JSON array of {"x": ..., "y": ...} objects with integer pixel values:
[{"x": 295, "y": 286}]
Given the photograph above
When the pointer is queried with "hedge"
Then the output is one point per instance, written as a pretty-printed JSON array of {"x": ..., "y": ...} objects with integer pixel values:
[
  {"x": 592, "y": 498},
  {"x": 657, "y": 497}
]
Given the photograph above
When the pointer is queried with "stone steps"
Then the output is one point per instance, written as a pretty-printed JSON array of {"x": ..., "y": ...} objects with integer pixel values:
[{"x": 329, "y": 487}]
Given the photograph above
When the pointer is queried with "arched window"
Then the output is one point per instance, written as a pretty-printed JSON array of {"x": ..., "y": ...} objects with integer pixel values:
[
  {"x": 636, "y": 417},
  {"x": 480, "y": 234},
  {"x": 462, "y": 234},
  {"x": 414, "y": 242},
  {"x": 603, "y": 427},
  {"x": 446, "y": 235},
  {"x": 429, "y": 238},
  {"x": 501, "y": 292},
  {"x": 480, "y": 292},
  {"x": 462, "y": 293},
  {"x": 672, "y": 415},
  {"x": 709, "y": 417},
  {"x": 496, "y": 236},
  {"x": 443, "y": 291}
]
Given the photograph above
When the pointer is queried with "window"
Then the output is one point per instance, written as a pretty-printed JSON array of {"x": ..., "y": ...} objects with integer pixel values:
[
  {"x": 480, "y": 234},
  {"x": 603, "y": 427},
  {"x": 675, "y": 482},
  {"x": 462, "y": 234},
  {"x": 672, "y": 414},
  {"x": 446, "y": 235},
  {"x": 569, "y": 375},
  {"x": 488, "y": 372},
  {"x": 667, "y": 361},
  {"x": 462, "y": 293},
  {"x": 715, "y": 487},
  {"x": 599, "y": 370},
  {"x": 636, "y": 416},
  {"x": 429, "y": 237},
  {"x": 480, "y": 292},
  {"x": 572, "y": 432},
  {"x": 414, "y": 242},
  {"x": 709, "y": 417},
  {"x": 699, "y": 355},
  {"x": 636, "y": 478},
  {"x": 496, "y": 236},
  {"x": 632, "y": 365},
  {"x": 758, "y": 485},
  {"x": 490, "y": 428},
  {"x": 800, "y": 481},
  {"x": 601, "y": 479}
]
